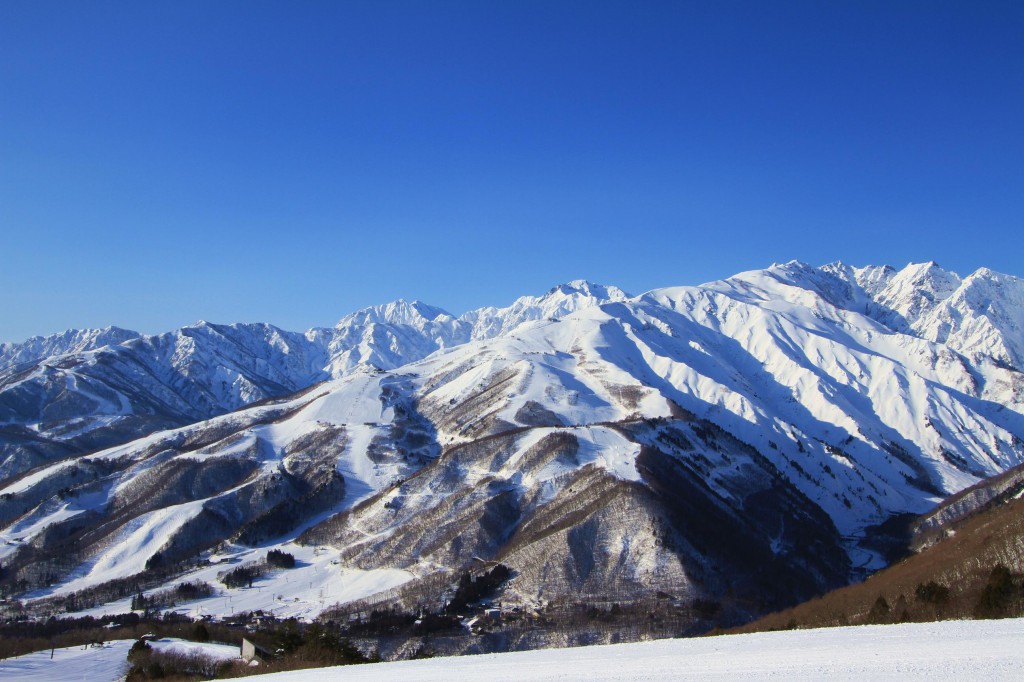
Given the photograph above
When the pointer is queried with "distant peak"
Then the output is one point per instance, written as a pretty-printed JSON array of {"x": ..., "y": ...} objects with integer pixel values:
[
  {"x": 400, "y": 311},
  {"x": 68, "y": 341},
  {"x": 931, "y": 273},
  {"x": 571, "y": 287},
  {"x": 109, "y": 334},
  {"x": 788, "y": 268},
  {"x": 427, "y": 312},
  {"x": 588, "y": 288},
  {"x": 988, "y": 273},
  {"x": 924, "y": 267}
]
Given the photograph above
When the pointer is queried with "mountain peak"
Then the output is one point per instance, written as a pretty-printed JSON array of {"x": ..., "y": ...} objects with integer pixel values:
[
  {"x": 588, "y": 289},
  {"x": 401, "y": 311},
  {"x": 573, "y": 286},
  {"x": 929, "y": 270}
]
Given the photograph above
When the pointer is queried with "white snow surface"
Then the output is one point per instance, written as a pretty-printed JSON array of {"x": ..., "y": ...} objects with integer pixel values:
[
  {"x": 73, "y": 664},
  {"x": 951, "y": 650},
  {"x": 316, "y": 583}
]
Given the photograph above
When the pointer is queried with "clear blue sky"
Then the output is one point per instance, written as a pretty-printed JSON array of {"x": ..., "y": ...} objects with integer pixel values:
[{"x": 290, "y": 162}]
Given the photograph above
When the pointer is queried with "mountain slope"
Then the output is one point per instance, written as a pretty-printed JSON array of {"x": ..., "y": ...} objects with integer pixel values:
[
  {"x": 737, "y": 443},
  {"x": 957, "y": 549},
  {"x": 85, "y": 401}
]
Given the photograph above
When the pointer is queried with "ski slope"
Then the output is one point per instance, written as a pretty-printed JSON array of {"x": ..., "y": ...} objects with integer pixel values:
[
  {"x": 951, "y": 650},
  {"x": 86, "y": 663}
]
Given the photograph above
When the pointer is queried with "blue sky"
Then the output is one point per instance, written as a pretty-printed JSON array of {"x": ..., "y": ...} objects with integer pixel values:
[{"x": 163, "y": 162}]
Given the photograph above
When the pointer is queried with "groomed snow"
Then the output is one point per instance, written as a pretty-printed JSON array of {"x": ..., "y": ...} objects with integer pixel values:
[
  {"x": 952, "y": 650},
  {"x": 315, "y": 584},
  {"x": 86, "y": 663}
]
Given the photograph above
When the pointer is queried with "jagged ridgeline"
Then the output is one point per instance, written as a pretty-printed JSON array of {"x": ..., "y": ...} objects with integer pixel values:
[
  {"x": 82, "y": 391},
  {"x": 719, "y": 451}
]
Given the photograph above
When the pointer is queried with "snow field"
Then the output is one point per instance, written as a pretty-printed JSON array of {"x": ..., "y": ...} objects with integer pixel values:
[
  {"x": 85, "y": 664},
  {"x": 951, "y": 650},
  {"x": 315, "y": 584}
]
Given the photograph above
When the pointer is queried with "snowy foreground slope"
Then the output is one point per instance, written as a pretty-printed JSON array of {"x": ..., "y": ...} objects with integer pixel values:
[
  {"x": 736, "y": 444},
  {"x": 952, "y": 650},
  {"x": 100, "y": 664},
  {"x": 108, "y": 662}
]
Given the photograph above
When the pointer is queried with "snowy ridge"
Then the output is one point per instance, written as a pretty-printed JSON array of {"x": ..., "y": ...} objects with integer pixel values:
[
  {"x": 70, "y": 341},
  {"x": 981, "y": 315},
  {"x": 562, "y": 300},
  {"x": 88, "y": 394},
  {"x": 392, "y": 335}
]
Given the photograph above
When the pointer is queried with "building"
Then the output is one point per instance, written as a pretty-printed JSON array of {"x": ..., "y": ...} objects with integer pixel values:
[{"x": 253, "y": 651}]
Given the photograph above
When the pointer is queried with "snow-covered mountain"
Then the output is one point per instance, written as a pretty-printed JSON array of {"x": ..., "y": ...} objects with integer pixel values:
[
  {"x": 392, "y": 335},
  {"x": 81, "y": 391},
  {"x": 981, "y": 316},
  {"x": 736, "y": 443},
  {"x": 70, "y": 341},
  {"x": 84, "y": 401}
]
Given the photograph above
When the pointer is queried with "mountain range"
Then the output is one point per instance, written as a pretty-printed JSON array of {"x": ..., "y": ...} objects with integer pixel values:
[
  {"x": 746, "y": 443},
  {"x": 83, "y": 390}
]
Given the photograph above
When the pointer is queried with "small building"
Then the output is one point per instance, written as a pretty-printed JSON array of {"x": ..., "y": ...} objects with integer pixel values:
[{"x": 253, "y": 651}]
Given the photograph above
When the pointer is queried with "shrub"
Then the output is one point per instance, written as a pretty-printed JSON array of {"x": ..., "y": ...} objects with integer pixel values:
[
  {"x": 200, "y": 633},
  {"x": 879, "y": 611},
  {"x": 187, "y": 591},
  {"x": 932, "y": 593},
  {"x": 147, "y": 664},
  {"x": 998, "y": 595}
]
